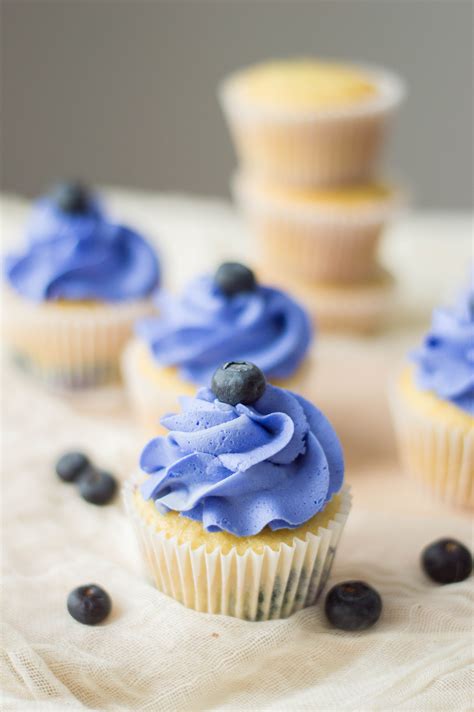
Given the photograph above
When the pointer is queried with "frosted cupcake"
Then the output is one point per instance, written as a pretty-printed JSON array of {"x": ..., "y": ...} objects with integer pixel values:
[
  {"x": 321, "y": 235},
  {"x": 433, "y": 405},
  {"x": 75, "y": 290},
  {"x": 241, "y": 505},
  {"x": 308, "y": 122},
  {"x": 216, "y": 318}
]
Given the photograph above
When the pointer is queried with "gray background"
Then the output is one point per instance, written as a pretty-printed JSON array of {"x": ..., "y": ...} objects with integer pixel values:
[{"x": 123, "y": 92}]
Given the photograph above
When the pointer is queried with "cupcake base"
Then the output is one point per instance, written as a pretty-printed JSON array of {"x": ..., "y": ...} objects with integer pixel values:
[
  {"x": 436, "y": 441},
  {"x": 68, "y": 345},
  {"x": 258, "y": 578},
  {"x": 361, "y": 307},
  {"x": 154, "y": 390}
]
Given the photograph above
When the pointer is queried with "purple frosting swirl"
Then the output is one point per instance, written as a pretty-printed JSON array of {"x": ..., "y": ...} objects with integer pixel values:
[
  {"x": 445, "y": 362},
  {"x": 242, "y": 468},
  {"x": 203, "y": 328},
  {"x": 81, "y": 256}
]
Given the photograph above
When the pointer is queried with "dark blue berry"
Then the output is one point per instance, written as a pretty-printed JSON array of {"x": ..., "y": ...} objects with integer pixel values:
[
  {"x": 71, "y": 465},
  {"x": 71, "y": 197},
  {"x": 353, "y": 605},
  {"x": 234, "y": 278},
  {"x": 97, "y": 486},
  {"x": 89, "y": 604},
  {"x": 238, "y": 382},
  {"x": 447, "y": 561}
]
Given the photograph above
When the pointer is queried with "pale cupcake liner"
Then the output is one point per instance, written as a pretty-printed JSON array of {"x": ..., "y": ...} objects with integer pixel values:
[
  {"x": 320, "y": 147},
  {"x": 151, "y": 400},
  {"x": 251, "y": 586},
  {"x": 440, "y": 455},
  {"x": 69, "y": 346},
  {"x": 315, "y": 242},
  {"x": 360, "y": 307}
]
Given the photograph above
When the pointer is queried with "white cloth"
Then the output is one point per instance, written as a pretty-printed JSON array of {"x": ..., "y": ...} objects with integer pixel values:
[{"x": 152, "y": 654}]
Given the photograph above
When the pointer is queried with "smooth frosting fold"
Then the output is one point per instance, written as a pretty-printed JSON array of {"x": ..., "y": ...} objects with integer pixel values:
[
  {"x": 81, "y": 256},
  {"x": 203, "y": 328},
  {"x": 242, "y": 468},
  {"x": 445, "y": 361}
]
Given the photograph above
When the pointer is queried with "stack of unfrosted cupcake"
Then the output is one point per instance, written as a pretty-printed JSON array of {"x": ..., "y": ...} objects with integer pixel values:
[{"x": 308, "y": 135}]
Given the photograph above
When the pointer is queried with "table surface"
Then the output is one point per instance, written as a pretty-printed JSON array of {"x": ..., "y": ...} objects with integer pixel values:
[{"x": 429, "y": 255}]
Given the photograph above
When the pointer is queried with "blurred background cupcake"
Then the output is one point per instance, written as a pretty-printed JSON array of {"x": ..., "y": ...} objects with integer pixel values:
[
  {"x": 241, "y": 507},
  {"x": 224, "y": 317},
  {"x": 74, "y": 291},
  {"x": 433, "y": 405},
  {"x": 307, "y": 122},
  {"x": 308, "y": 136}
]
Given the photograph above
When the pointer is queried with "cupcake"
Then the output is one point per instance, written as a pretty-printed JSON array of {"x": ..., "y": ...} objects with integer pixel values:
[
  {"x": 240, "y": 507},
  {"x": 215, "y": 319},
  {"x": 321, "y": 235},
  {"x": 433, "y": 405},
  {"x": 74, "y": 291},
  {"x": 306, "y": 122},
  {"x": 360, "y": 307}
]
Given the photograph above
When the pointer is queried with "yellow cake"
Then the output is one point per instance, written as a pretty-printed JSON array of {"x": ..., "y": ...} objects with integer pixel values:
[{"x": 307, "y": 122}]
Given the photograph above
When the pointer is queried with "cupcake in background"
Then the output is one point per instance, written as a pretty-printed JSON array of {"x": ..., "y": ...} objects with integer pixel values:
[
  {"x": 216, "y": 319},
  {"x": 433, "y": 405},
  {"x": 320, "y": 235},
  {"x": 74, "y": 291},
  {"x": 240, "y": 508},
  {"x": 306, "y": 122}
]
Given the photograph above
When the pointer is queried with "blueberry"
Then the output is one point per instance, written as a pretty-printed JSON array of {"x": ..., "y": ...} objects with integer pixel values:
[
  {"x": 71, "y": 197},
  {"x": 89, "y": 604},
  {"x": 238, "y": 382},
  {"x": 353, "y": 605},
  {"x": 447, "y": 561},
  {"x": 97, "y": 486},
  {"x": 71, "y": 465},
  {"x": 234, "y": 278}
]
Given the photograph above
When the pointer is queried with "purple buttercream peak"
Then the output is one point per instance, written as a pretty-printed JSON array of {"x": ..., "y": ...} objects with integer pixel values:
[
  {"x": 81, "y": 256},
  {"x": 241, "y": 468},
  {"x": 202, "y": 328},
  {"x": 445, "y": 361}
]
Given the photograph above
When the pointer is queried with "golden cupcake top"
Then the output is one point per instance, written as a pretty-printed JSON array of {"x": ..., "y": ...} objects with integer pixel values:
[{"x": 305, "y": 84}]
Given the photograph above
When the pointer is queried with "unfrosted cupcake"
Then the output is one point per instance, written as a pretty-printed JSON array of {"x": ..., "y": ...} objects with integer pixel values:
[
  {"x": 215, "y": 319},
  {"x": 241, "y": 505},
  {"x": 361, "y": 307},
  {"x": 433, "y": 405},
  {"x": 75, "y": 290},
  {"x": 323, "y": 235},
  {"x": 308, "y": 122}
]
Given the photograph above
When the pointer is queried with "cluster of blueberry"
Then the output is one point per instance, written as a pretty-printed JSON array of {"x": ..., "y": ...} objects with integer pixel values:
[{"x": 94, "y": 485}]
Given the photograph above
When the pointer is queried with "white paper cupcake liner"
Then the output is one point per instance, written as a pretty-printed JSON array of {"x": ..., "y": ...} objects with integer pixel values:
[
  {"x": 315, "y": 242},
  {"x": 252, "y": 586},
  {"x": 70, "y": 346},
  {"x": 322, "y": 147},
  {"x": 440, "y": 455}
]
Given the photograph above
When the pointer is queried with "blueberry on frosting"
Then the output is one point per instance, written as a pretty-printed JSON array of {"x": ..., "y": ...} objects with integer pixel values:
[
  {"x": 238, "y": 382},
  {"x": 234, "y": 278},
  {"x": 71, "y": 197}
]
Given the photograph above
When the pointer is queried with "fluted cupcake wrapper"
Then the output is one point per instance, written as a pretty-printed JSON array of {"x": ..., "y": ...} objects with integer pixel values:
[
  {"x": 440, "y": 455},
  {"x": 315, "y": 242},
  {"x": 70, "y": 346},
  {"x": 252, "y": 586},
  {"x": 312, "y": 148},
  {"x": 154, "y": 390}
]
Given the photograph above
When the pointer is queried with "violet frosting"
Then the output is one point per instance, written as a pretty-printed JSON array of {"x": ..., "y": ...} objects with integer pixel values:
[
  {"x": 444, "y": 364},
  {"x": 241, "y": 468},
  {"x": 81, "y": 256},
  {"x": 203, "y": 328}
]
